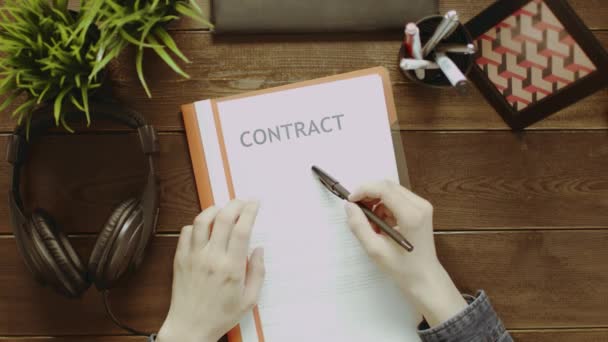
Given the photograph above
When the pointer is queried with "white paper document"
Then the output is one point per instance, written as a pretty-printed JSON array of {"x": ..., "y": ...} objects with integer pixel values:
[{"x": 320, "y": 284}]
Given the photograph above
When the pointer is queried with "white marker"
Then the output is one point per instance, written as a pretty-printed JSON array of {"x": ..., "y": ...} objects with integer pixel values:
[
  {"x": 412, "y": 43},
  {"x": 449, "y": 23},
  {"x": 451, "y": 71},
  {"x": 417, "y": 64},
  {"x": 468, "y": 49}
]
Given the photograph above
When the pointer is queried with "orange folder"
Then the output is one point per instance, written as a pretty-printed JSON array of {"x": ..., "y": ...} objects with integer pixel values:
[{"x": 199, "y": 163}]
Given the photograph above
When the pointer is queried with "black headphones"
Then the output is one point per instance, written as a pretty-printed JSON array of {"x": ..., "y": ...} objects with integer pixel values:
[{"x": 120, "y": 246}]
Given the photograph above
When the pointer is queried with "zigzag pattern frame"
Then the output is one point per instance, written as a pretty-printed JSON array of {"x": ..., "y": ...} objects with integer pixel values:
[{"x": 535, "y": 58}]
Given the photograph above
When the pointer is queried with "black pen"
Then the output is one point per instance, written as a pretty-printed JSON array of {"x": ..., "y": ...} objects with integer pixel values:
[{"x": 337, "y": 189}]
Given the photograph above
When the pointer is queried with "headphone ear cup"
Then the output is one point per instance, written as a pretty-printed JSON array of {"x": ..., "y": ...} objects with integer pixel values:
[
  {"x": 62, "y": 266},
  {"x": 116, "y": 244},
  {"x": 29, "y": 247}
]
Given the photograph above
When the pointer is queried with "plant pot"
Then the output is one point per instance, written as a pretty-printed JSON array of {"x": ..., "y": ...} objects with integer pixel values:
[{"x": 435, "y": 77}]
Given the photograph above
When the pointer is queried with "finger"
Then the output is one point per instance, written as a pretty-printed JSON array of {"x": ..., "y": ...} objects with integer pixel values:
[
  {"x": 370, "y": 202},
  {"x": 406, "y": 213},
  {"x": 386, "y": 215},
  {"x": 385, "y": 190},
  {"x": 254, "y": 278},
  {"x": 223, "y": 224},
  {"x": 202, "y": 226},
  {"x": 373, "y": 244},
  {"x": 412, "y": 197},
  {"x": 183, "y": 244},
  {"x": 238, "y": 246}
]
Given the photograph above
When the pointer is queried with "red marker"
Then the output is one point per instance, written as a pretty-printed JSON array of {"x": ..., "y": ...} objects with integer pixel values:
[{"x": 413, "y": 46}]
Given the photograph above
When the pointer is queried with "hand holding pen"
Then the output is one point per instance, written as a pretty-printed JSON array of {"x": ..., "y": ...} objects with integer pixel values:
[
  {"x": 418, "y": 274},
  {"x": 337, "y": 189}
]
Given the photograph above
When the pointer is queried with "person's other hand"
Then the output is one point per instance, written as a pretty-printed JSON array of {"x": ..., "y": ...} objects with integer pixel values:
[
  {"x": 419, "y": 273},
  {"x": 213, "y": 285}
]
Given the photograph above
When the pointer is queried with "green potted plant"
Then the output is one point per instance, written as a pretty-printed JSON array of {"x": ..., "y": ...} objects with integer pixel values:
[
  {"x": 143, "y": 24},
  {"x": 52, "y": 56},
  {"x": 47, "y": 57}
]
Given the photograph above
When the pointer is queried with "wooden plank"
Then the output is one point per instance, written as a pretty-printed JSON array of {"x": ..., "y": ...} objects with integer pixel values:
[
  {"x": 535, "y": 279},
  {"x": 183, "y": 24},
  {"x": 529, "y": 275},
  {"x": 475, "y": 180},
  {"x": 237, "y": 64},
  {"x": 593, "y": 12},
  {"x": 88, "y": 338},
  {"x": 75, "y": 182},
  {"x": 505, "y": 180},
  {"x": 74, "y": 338},
  {"x": 35, "y": 309},
  {"x": 586, "y": 335}
]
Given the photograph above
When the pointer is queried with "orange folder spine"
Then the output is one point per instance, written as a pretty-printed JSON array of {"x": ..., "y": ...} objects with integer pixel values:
[{"x": 203, "y": 184}]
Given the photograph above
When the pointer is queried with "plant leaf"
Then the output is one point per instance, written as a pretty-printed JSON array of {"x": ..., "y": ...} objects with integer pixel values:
[
  {"x": 62, "y": 5},
  {"x": 58, "y": 103},
  {"x": 65, "y": 125},
  {"x": 43, "y": 93},
  {"x": 9, "y": 100},
  {"x": 140, "y": 72},
  {"x": 113, "y": 53},
  {"x": 8, "y": 84},
  {"x": 196, "y": 7},
  {"x": 28, "y": 125},
  {"x": 84, "y": 92},
  {"x": 192, "y": 14},
  {"x": 76, "y": 103},
  {"x": 90, "y": 12},
  {"x": 124, "y": 34},
  {"x": 165, "y": 56},
  {"x": 23, "y": 107},
  {"x": 170, "y": 43}
]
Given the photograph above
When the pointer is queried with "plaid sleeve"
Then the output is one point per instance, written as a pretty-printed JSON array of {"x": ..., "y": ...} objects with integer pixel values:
[{"x": 477, "y": 322}]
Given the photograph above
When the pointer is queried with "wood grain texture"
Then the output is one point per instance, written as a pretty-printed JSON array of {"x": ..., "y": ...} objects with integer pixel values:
[
  {"x": 223, "y": 66},
  {"x": 79, "y": 180},
  {"x": 592, "y": 12},
  {"x": 505, "y": 180},
  {"x": 475, "y": 180},
  {"x": 587, "y": 335},
  {"x": 526, "y": 201},
  {"x": 535, "y": 279},
  {"x": 595, "y": 335},
  {"x": 182, "y": 24},
  {"x": 569, "y": 335}
]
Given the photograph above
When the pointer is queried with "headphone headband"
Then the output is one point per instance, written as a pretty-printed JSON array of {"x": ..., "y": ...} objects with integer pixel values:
[{"x": 17, "y": 144}]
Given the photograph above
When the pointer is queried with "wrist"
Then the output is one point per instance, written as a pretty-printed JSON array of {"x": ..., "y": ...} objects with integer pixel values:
[
  {"x": 172, "y": 332},
  {"x": 436, "y": 296}
]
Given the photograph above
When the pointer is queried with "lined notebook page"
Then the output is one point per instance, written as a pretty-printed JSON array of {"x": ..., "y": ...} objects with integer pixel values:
[{"x": 320, "y": 285}]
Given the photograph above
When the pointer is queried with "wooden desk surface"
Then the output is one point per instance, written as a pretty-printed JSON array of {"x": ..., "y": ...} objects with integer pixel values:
[{"x": 523, "y": 216}]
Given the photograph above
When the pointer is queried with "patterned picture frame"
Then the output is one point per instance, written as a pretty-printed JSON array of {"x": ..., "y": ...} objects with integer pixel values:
[{"x": 535, "y": 57}]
